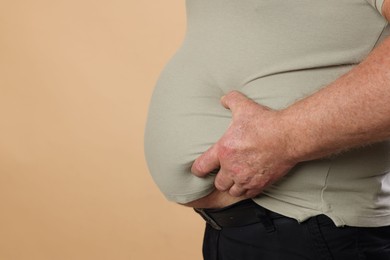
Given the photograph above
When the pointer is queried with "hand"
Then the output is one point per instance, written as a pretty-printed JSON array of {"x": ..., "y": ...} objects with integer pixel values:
[{"x": 252, "y": 154}]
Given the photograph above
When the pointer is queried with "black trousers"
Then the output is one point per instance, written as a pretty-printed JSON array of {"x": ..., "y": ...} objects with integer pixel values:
[{"x": 276, "y": 237}]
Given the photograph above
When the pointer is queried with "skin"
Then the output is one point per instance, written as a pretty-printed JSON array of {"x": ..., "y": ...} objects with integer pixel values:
[{"x": 262, "y": 145}]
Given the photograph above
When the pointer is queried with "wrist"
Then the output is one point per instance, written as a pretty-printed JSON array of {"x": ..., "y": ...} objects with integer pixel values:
[{"x": 296, "y": 137}]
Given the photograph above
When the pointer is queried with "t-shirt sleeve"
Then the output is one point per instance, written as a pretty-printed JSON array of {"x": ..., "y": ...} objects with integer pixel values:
[{"x": 377, "y": 4}]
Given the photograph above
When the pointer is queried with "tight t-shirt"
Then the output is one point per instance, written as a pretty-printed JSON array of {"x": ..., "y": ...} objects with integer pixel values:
[{"x": 275, "y": 52}]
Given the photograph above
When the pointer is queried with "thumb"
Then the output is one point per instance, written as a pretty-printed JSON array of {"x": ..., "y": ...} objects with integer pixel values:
[
  {"x": 206, "y": 163},
  {"x": 234, "y": 100}
]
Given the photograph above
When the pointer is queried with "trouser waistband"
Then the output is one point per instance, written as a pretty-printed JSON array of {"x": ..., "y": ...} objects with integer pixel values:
[{"x": 242, "y": 213}]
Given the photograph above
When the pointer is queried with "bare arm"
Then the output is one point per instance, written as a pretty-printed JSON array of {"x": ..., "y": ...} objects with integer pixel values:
[
  {"x": 262, "y": 145},
  {"x": 352, "y": 111}
]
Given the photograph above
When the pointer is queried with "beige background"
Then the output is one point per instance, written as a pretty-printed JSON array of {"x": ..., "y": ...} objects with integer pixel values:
[{"x": 75, "y": 81}]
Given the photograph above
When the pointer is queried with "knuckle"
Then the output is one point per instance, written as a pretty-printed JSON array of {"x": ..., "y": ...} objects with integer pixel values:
[
  {"x": 251, "y": 181},
  {"x": 255, "y": 183},
  {"x": 252, "y": 193},
  {"x": 243, "y": 179},
  {"x": 253, "y": 186},
  {"x": 219, "y": 184},
  {"x": 227, "y": 149},
  {"x": 234, "y": 192}
]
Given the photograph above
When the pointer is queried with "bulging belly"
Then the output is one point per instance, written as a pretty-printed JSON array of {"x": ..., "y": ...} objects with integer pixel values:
[
  {"x": 232, "y": 45},
  {"x": 185, "y": 118}
]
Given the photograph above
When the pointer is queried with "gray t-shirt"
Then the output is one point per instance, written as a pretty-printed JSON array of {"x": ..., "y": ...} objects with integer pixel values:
[{"x": 275, "y": 52}]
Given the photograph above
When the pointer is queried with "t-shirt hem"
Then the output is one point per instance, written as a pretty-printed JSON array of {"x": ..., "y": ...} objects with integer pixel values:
[
  {"x": 188, "y": 197},
  {"x": 301, "y": 214}
]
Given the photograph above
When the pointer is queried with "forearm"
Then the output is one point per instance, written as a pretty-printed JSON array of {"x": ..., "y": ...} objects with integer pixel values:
[{"x": 352, "y": 111}]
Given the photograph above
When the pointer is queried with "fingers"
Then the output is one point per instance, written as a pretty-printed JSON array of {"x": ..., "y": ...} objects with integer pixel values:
[
  {"x": 237, "y": 191},
  {"x": 252, "y": 193},
  {"x": 237, "y": 102},
  {"x": 225, "y": 183},
  {"x": 206, "y": 163},
  {"x": 209, "y": 160}
]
